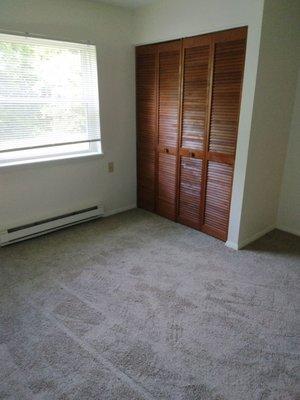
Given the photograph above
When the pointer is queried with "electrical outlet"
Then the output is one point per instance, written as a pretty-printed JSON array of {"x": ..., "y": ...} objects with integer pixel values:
[{"x": 111, "y": 166}]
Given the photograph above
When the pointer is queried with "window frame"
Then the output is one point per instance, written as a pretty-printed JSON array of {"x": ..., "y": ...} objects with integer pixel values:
[{"x": 19, "y": 157}]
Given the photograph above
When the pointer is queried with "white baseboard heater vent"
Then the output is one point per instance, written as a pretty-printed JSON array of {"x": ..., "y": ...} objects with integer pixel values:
[{"x": 44, "y": 226}]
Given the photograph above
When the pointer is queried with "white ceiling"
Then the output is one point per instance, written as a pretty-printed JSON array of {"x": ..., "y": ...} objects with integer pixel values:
[{"x": 127, "y": 3}]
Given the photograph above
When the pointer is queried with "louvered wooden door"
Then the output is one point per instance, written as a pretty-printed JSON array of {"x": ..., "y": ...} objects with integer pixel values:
[
  {"x": 196, "y": 69},
  {"x": 188, "y": 101},
  {"x": 168, "y": 127},
  {"x": 225, "y": 93},
  {"x": 146, "y": 96}
]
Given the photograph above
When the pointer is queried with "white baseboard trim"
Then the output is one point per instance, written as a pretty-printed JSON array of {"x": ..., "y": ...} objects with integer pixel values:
[
  {"x": 289, "y": 230},
  {"x": 232, "y": 245},
  {"x": 238, "y": 246},
  {"x": 257, "y": 235},
  {"x": 119, "y": 210}
]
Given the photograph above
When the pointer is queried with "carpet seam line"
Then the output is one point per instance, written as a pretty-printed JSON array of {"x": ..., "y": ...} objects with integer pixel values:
[{"x": 106, "y": 363}]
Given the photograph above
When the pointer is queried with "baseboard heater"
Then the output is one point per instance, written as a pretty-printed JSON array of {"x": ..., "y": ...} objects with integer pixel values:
[{"x": 44, "y": 226}]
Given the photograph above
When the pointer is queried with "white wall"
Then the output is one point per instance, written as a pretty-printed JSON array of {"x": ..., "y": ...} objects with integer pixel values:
[
  {"x": 170, "y": 19},
  {"x": 273, "y": 104},
  {"x": 289, "y": 205},
  {"x": 45, "y": 190}
]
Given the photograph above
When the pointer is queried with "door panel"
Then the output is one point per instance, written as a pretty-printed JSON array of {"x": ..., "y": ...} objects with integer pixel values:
[
  {"x": 169, "y": 68},
  {"x": 195, "y": 94},
  {"x": 228, "y": 67},
  {"x": 166, "y": 202},
  {"x": 168, "y": 125},
  {"x": 188, "y": 105},
  {"x": 146, "y": 182},
  {"x": 218, "y": 194},
  {"x": 195, "y": 105},
  {"x": 226, "y": 91},
  {"x": 190, "y": 191},
  {"x": 146, "y": 91}
]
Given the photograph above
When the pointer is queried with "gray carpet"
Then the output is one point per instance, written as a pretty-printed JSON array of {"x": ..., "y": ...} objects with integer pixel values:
[{"x": 137, "y": 307}]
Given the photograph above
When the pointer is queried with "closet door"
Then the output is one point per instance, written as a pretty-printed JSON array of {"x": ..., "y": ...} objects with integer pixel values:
[
  {"x": 188, "y": 104},
  {"x": 228, "y": 67},
  {"x": 169, "y": 56},
  {"x": 146, "y": 103},
  {"x": 196, "y": 70}
]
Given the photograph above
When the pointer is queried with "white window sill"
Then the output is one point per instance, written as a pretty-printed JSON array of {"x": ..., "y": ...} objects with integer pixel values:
[{"x": 51, "y": 160}]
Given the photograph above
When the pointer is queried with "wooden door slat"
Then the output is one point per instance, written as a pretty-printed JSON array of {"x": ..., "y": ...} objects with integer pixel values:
[
  {"x": 146, "y": 92},
  {"x": 218, "y": 195},
  {"x": 195, "y": 91},
  {"x": 226, "y": 93},
  {"x": 190, "y": 191},
  {"x": 168, "y": 126},
  {"x": 195, "y": 95}
]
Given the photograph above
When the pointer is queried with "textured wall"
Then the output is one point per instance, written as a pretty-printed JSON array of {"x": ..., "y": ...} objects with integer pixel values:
[
  {"x": 289, "y": 205},
  {"x": 273, "y": 105}
]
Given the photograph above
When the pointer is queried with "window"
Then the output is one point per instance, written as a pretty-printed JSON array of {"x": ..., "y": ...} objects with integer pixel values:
[{"x": 49, "y": 105}]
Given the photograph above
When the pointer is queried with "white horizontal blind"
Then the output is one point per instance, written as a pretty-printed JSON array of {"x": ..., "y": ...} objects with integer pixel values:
[{"x": 48, "y": 93}]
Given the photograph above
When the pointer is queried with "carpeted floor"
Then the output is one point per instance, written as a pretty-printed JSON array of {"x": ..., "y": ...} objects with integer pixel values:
[{"x": 137, "y": 307}]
